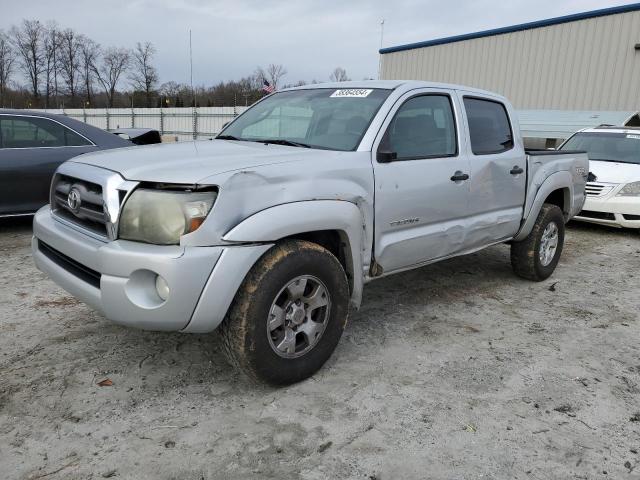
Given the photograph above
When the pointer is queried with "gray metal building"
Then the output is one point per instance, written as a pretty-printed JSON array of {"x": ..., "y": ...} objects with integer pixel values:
[{"x": 586, "y": 61}]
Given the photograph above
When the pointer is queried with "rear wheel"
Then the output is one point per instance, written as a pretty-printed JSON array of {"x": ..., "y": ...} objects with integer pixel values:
[
  {"x": 288, "y": 315},
  {"x": 536, "y": 257}
]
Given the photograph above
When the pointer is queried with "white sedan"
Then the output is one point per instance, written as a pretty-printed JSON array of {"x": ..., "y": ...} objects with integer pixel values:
[{"x": 613, "y": 188}]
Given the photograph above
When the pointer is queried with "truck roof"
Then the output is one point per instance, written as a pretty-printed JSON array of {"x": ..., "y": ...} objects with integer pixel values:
[{"x": 394, "y": 85}]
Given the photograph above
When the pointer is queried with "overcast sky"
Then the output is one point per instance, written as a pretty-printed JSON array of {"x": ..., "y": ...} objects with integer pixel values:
[{"x": 309, "y": 37}]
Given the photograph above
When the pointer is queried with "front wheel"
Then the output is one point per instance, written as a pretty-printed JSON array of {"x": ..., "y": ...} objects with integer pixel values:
[
  {"x": 288, "y": 314},
  {"x": 536, "y": 257}
]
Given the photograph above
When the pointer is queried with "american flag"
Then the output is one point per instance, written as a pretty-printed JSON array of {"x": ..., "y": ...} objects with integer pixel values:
[{"x": 267, "y": 87}]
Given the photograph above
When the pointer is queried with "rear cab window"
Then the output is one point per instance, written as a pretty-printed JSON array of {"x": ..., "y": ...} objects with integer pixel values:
[
  {"x": 36, "y": 132},
  {"x": 489, "y": 127}
]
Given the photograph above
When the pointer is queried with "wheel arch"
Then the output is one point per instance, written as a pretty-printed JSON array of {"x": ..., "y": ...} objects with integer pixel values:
[
  {"x": 336, "y": 225},
  {"x": 337, "y": 242},
  {"x": 561, "y": 197},
  {"x": 557, "y": 189}
]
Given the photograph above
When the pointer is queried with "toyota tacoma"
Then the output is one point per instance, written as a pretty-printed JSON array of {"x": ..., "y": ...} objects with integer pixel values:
[{"x": 270, "y": 231}]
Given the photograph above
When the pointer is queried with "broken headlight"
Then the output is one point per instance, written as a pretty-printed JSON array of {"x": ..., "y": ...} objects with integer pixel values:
[{"x": 163, "y": 216}]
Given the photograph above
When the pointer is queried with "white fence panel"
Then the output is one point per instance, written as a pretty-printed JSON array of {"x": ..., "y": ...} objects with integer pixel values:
[{"x": 184, "y": 123}]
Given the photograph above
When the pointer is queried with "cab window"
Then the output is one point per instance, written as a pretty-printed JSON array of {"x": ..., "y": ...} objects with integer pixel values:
[
  {"x": 423, "y": 127},
  {"x": 489, "y": 127}
]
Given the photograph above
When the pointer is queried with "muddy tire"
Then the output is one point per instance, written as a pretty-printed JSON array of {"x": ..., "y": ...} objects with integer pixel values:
[
  {"x": 288, "y": 314},
  {"x": 536, "y": 257}
]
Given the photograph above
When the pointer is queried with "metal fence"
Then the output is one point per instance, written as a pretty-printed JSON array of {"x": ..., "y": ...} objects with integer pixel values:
[{"x": 184, "y": 123}]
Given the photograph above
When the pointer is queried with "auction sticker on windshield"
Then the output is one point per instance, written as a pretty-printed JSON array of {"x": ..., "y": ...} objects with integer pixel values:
[{"x": 351, "y": 93}]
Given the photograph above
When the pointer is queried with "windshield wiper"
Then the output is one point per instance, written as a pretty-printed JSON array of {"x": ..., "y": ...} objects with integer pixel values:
[
  {"x": 226, "y": 137},
  {"x": 281, "y": 141}
]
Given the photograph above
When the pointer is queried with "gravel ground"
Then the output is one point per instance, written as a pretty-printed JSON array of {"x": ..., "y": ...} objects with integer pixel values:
[{"x": 459, "y": 370}]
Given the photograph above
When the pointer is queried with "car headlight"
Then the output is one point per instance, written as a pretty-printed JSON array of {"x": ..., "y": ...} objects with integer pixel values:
[
  {"x": 630, "y": 190},
  {"x": 162, "y": 217}
]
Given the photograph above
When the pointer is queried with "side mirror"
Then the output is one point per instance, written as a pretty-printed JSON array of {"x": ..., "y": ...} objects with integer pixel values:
[{"x": 384, "y": 156}]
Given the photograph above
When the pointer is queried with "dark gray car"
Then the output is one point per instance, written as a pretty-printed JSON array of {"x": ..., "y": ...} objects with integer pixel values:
[{"x": 32, "y": 146}]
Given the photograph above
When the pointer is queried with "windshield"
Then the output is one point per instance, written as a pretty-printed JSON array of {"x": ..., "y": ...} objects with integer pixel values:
[
  {"x": 327, "y": 118},
  {"x": 610, "y": 147}
]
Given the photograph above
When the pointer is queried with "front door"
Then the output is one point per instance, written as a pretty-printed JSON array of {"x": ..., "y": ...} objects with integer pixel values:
[{"x": 421, "y": 181}]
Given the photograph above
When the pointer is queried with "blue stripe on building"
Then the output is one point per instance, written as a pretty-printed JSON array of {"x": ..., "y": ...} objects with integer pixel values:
[{"x": 516, "y": 28}]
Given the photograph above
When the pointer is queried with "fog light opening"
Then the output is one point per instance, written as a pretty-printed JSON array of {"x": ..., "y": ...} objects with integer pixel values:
[{"x": 162, "y": 287}]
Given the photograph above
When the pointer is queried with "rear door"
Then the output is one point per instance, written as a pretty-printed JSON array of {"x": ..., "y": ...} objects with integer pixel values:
[
  {"x": 421, "y": 187},
  {"x": 31, "y": 148},
  {"x": 498, "y": 174}
]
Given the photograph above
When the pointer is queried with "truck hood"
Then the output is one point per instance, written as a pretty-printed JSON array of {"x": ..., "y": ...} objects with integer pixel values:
[
  {"x": 610, "y": 172},
  {"x": 190, "y": 162}
]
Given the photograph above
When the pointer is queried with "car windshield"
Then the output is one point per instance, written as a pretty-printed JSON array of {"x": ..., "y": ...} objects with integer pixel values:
[
  {"x": 608, "y": 147},
  {"x": 325, "y": 118}
]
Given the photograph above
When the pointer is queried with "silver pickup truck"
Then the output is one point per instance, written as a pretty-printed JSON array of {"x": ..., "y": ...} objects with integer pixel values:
[{"x": 270, "y": 231}]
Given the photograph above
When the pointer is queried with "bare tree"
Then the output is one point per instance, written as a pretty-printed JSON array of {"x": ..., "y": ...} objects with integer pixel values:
[
  {"x": 144, "y": 76},
  {"x": 258, "y": 77},
  {"x": 70, "y": 60},
  {"x": 28, "y": 41},
  {"x": 114, "y": 62},
  {"x": 339, "y": 74},
  {"x": 54, "y": 34},
  {"x": 275, "y": 73},
  {"x": 51, "y": 45},
  {"x": 7, "y": 61},
  {"x": 170, "y": 89},
  {"x": 89, "y": 53},
  {"x": 272, "y": 74}
]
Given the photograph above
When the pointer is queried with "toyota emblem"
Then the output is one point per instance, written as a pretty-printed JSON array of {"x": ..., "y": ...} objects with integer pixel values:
[{"x": 73, "y": 200}]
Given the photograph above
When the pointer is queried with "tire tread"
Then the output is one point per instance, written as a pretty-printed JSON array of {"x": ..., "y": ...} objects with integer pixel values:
[
  {"x": 523, "y": 253},
  {"x": 234, "y": 328}
]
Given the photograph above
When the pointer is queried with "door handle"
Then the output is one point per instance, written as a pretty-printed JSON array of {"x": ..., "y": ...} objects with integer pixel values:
[
  {"x": 516, "y": 170},
  {"x": 459, "y": 177}
]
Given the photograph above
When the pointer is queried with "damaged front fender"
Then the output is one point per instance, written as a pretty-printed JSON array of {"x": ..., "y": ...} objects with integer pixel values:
[{"x": 295, "y": 218}]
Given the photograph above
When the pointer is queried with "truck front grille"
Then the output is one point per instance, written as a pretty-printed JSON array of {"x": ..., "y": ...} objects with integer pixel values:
[
  {"x": 85, "y": 207},
  {"x": 70, "y": 265},
  {"x": 594, "y": 189}
]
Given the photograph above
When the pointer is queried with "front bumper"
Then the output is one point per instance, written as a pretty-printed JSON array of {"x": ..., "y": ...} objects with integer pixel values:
[
  {"x": 611, "y": 210},
  {"x": 118, "y": 278}
]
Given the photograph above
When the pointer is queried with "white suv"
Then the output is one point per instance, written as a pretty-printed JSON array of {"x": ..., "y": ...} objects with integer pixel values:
[{"x": 613, "y": 189}]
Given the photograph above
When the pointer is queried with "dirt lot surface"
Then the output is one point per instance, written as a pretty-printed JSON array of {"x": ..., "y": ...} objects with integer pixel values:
[{"x": 455, "y": 371}]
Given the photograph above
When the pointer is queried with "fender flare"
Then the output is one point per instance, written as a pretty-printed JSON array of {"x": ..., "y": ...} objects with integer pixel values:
[
  {"x": 275, "y": 223},
  {"x": 555, "y": 181}
]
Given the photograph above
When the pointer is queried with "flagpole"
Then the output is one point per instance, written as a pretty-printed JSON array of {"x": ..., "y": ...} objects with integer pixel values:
[
  {"x": 193, "y": 92},
  {"x": 379, "y": 54}
]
